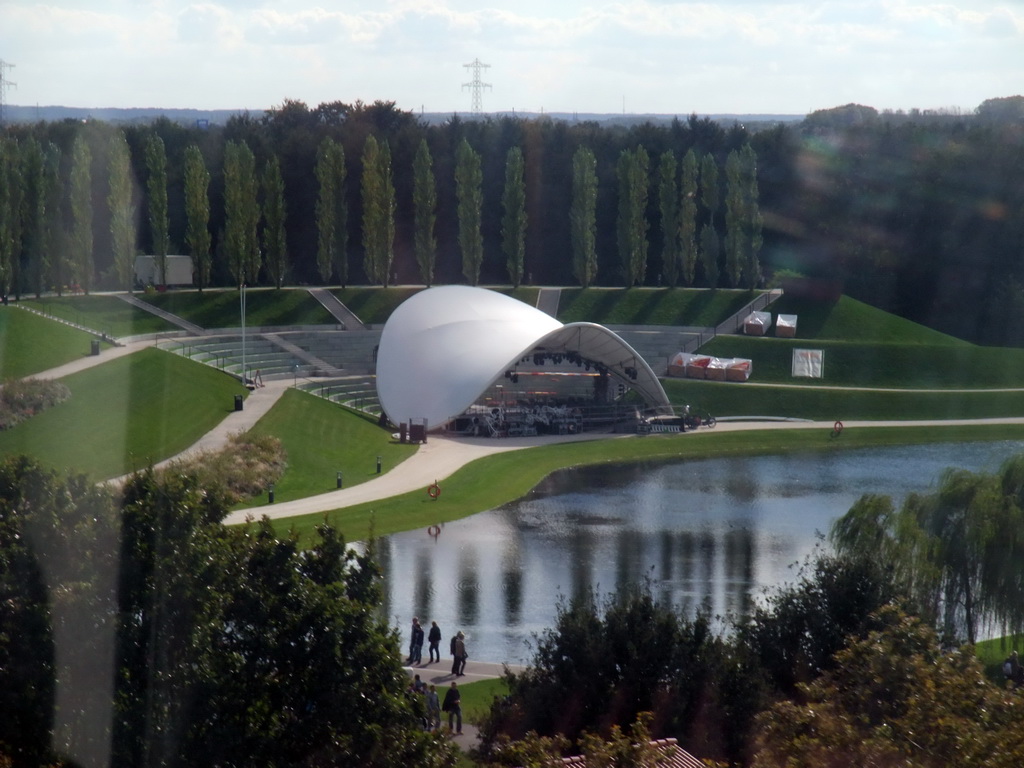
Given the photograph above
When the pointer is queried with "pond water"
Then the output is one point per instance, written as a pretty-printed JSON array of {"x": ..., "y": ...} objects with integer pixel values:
[{"x": 712, "y": 532}]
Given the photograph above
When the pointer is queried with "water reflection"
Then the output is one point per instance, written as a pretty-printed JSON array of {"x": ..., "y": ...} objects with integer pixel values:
[{"x": 710, "y": 533}]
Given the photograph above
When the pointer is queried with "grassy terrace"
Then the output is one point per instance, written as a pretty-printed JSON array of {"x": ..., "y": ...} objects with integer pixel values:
[
  {"x": 125, "y": 414},
  {"x": 106, "y": 314},
  {"x": 30, "y": 344},
  {"x": 322, "y": 439},
  {"x": 222, "y": 308}
]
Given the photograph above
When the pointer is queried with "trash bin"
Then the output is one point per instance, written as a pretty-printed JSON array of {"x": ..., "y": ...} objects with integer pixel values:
[
  {"x": 238, "y": 402},
  {"x": 95, "y": 347}
]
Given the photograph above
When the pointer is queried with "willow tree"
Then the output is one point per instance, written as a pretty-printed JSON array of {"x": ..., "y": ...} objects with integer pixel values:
[
  {"x": 241, "y": 213},
  {"x": 959, "y": 550},
  {"x": 80, "y": 244},
  {"x": 123, "y": 229},
  {"x": 156, "y": 196},
  {"x": 633, "y": 170},
  {"x": 469, "y": 191},
  {"x": 688, "y": 250},
  {"x": 378, "y": 211},
  {"x": 197, "y": 214},
  {"x": 513, "y": 222},
  {"x": 668, "y": 204},
  {"x": 424, "y": 203},
  {"x": 331, "y": 212},
  {"x": 275, "y": 245},
  {"x": 583, "y": 216}
]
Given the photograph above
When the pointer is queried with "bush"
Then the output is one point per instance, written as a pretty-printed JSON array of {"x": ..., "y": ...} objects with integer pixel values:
[
  {"x": 248, "y": 466},
  {"x": 24, "y": 398}
]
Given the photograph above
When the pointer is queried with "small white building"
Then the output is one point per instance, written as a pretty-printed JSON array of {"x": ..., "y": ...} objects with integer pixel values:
[{"x": 179, "y": 270}]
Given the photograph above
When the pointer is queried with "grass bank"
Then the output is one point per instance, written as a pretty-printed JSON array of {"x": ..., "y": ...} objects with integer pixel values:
[
  {"x": 30, "y": 344},
  {"x": 321, "y": 439},
  {"x": 106, "y": 314},
  {"x": 126, "y": 414},
  {"x": 732, "y": 399},
  {"x": 263, "y": 307},
  {"x": 495, "y": 480}
]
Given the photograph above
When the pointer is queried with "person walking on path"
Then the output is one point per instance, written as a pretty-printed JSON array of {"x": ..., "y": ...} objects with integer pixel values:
[
  {"x": 434, "y": 638},
  {"x": 453, "y": 706},
  {"x": 416, "y": 644},
  {"x": 459, "y": 668},
  {"x": 433, "y": 709}
]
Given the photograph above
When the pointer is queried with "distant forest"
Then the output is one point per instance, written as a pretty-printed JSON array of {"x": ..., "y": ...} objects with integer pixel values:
[{"x": 919, "y": 214}]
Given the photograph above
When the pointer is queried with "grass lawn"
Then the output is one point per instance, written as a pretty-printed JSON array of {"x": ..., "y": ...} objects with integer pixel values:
[
  {"x": 477, "y": 698},
  {"x": 263, "y": 307},
  {"x": 125, "y": 414},
  {"x": 864, "y": 364},
  {"x": 650, "y": 306},
  {"x": 734, "y": 399},
  {"x": 374, "y": 305},
  {"x": 30, "y": 344},
  {"x": 852, "y": 320},
  {"x": 322, "y": 438},
  {"x": 992, "y": 654},
  {"x": 107, "y": 314},
  {"x": 495, "y": 480}
]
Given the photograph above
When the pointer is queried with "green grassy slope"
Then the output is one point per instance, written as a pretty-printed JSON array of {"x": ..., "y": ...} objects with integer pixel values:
[
  {"x": 30, "y": 344},
  {"x": 322, "y": 438},
  {"x": 126, "y": 414},
  {"x": 861, "y": 364},
  {"x": 106, "y": 314},
  {"x": 223, "y": 309},
  {"x": 649, "y": 306},
  {"x": 851, "y": 320}
]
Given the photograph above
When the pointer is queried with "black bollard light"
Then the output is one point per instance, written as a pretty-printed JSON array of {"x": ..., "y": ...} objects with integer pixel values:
[
  {"x": 378, "y": 465},
  {"x": 339, "y": 479},
  {"x": 270, "y": 494}
]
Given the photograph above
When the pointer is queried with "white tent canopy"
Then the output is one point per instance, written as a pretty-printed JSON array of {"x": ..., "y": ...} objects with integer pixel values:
[{"x": 443, "y": 347}]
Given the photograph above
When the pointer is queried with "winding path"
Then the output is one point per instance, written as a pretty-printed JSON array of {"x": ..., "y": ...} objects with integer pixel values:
[{"x": 435, "y": 460}]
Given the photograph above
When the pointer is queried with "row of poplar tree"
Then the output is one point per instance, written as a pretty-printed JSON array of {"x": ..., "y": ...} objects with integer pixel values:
[{"x": 78, "y": 201}]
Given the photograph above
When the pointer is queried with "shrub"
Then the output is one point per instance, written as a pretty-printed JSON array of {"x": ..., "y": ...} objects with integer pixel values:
[{"x": 23, "y": 398}]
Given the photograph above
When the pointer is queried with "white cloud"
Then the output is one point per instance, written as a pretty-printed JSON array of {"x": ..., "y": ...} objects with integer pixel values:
[{"x": 671, "y": 57}]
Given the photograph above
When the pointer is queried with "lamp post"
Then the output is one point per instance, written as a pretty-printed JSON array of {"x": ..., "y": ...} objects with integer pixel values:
[{"x": 242, "y": 288}]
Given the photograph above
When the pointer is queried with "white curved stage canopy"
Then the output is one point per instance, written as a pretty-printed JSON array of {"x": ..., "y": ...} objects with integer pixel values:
[{"x": 444, "y": 347}]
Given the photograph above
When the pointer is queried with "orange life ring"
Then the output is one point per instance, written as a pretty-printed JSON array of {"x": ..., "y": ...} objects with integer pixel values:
[
  {"x": 434, "y": 491},
  {"x": 837, "y": 428},
  {"x": 434, "y": 531}
]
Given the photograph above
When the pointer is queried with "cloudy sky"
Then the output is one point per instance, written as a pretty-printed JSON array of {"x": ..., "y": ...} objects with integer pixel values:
[{"x": 638, "y": 56}]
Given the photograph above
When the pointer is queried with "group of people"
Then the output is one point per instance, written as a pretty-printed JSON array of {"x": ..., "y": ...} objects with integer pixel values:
[
  {"x": 457, "y": 647},
  {"x": 452, "y": 705}
]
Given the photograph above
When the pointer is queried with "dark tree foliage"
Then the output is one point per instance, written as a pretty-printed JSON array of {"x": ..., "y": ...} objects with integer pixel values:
[
  {"x": 921, "y": 214},
  {"x": 142, "y": 632},
  {"x": 601, "y": 666},
  {"x": 795, "y": 635}
]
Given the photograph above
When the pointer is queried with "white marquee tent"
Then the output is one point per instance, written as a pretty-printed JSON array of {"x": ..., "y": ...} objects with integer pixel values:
[{"x": 443, "y": 347}]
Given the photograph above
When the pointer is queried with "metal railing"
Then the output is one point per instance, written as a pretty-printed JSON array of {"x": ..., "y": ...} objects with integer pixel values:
[{"x": 733, "y": 322}]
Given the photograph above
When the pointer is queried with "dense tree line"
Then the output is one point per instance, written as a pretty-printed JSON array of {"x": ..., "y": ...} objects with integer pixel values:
[
  {"x": 917, "y": 213},
  {"x": 137, "y": 630}
]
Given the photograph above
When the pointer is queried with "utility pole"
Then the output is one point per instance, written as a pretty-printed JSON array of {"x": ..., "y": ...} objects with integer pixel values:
[
  {"x": 476, "y": 86},
  {"x": 4, "y": 84}
]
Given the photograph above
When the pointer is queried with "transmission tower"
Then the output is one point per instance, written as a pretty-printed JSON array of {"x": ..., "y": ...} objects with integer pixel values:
[
  {"x": 4, "y": 83},
  {"x": 476, "y": 86}
]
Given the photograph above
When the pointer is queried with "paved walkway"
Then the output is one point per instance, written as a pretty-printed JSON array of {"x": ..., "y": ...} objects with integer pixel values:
[{"x": 440, "y": 675}]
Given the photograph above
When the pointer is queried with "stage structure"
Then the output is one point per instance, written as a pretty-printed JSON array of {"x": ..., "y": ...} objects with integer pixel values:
[{"x": 455, "y": 350}]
